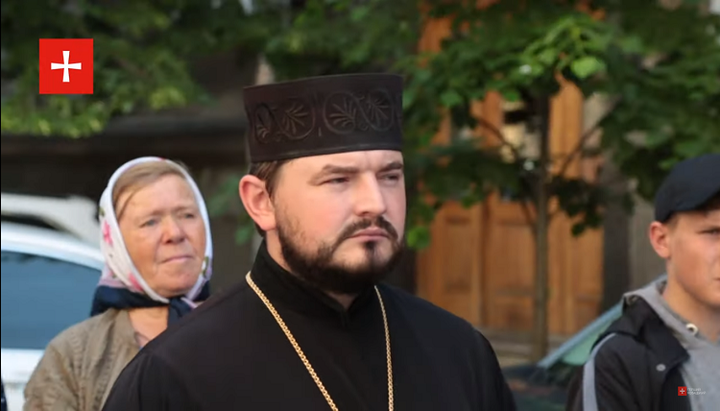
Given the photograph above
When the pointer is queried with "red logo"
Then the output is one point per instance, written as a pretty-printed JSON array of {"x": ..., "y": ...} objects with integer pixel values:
[
  {"x": 66, "y": 66},
  {"x": 682, "y": 391}
]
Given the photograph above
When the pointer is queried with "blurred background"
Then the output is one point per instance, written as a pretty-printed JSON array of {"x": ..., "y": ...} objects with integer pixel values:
[{"x": 537, "y": 133}]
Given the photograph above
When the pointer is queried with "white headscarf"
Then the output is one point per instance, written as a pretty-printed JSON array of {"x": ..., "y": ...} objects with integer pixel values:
[{"x": 120, "y": 272}]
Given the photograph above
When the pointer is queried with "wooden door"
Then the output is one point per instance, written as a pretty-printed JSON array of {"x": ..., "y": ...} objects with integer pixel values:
[
  {"x": 450, "y": 274},
  {"x": 481, "y": 262}
]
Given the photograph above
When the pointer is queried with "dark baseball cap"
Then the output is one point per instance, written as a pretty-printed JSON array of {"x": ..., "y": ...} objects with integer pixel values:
[{"x": 690, "y": 185}]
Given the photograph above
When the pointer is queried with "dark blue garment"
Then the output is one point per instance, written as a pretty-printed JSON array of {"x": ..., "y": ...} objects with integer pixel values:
[
  {"x": 3, "y": 407},
  {"x": 124, "y": 299}
]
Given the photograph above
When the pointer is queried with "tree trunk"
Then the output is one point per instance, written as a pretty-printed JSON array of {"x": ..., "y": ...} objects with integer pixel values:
[
  {"x": 542, "y": 222},
  {"x": 616, "y": 237}
]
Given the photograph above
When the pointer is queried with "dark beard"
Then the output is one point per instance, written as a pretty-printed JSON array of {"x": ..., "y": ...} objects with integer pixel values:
[{"x": 320, "y": 271}]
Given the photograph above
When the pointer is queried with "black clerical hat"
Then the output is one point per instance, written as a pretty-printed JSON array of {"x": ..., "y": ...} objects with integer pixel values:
[
  {"x": 324, "y": 115},
  {"x": 690, "y": 185}
]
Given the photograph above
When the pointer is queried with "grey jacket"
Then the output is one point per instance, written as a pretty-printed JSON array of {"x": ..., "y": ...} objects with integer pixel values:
[{"x": 81, "y": 364}]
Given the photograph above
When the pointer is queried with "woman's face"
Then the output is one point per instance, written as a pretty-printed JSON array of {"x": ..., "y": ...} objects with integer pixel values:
[{"x": 164, "y": 234}]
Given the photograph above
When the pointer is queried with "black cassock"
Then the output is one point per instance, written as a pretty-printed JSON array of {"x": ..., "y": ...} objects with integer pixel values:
[{"x": 230, "y": 354}]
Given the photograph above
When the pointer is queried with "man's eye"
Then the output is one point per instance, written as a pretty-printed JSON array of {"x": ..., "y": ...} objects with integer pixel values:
[
  {"x": 715, "y": 231},
  {"x": 392, "y": 177},
  {"x": 338, "y": 180}
]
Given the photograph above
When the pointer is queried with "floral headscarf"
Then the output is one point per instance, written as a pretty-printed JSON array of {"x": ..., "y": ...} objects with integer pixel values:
[{"x": 121, "y": 286}]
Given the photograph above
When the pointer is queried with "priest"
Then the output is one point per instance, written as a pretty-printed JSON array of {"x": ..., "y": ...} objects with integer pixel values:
[{"x": 311, "y": 326}]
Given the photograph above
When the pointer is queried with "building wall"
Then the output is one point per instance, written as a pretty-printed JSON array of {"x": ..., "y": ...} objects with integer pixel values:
[
  {"x": 645, "y": 265},
  {"x": 629, "y": 259}
]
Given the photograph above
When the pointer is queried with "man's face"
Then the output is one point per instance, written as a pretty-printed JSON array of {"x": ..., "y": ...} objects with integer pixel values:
[
  {"x": 692, "y": 252},
  {"x": 340, "y": 218}
]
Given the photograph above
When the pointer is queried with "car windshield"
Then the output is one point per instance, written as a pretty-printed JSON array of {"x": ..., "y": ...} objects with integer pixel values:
[
  {"x": 574, "y": 354},
  {"x": 41, "y": 297}
]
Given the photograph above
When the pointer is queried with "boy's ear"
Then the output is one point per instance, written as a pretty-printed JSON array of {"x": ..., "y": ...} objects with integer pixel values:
[{"x": 659, "y": 234}]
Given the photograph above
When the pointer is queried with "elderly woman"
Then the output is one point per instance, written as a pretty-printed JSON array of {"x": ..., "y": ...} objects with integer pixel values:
[{"x": 158, "y": 251}]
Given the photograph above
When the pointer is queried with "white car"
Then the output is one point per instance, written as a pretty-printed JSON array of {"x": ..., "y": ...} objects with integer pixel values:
[
  {"x": 71, "y": 214},
  {"x": 48, "y": 280}
]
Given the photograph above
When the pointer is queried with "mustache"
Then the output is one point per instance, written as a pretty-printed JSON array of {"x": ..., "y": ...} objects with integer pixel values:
[{"x": 379, "y": 222}]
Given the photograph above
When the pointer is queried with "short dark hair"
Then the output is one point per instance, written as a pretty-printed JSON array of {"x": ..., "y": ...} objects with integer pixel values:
[{"x": 269, "y": 172}]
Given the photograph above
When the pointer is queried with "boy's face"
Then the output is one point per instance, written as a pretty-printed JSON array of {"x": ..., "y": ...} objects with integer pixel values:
[{"x": 690, "y": 243}]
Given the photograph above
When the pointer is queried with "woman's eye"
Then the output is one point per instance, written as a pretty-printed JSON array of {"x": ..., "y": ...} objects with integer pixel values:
[
  {"x": 149, "y": 223},
  {"x": 189, "y": 215}
]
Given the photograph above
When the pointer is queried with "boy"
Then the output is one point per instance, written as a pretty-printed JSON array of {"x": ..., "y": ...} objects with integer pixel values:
[{"x": 664, "y": 352}]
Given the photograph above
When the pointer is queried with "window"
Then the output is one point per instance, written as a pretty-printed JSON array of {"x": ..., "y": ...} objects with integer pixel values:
[
  {"x": 27, "y": 220},
  {"x": 561, "y": 371},
  {"x": 41, "y": 297}
]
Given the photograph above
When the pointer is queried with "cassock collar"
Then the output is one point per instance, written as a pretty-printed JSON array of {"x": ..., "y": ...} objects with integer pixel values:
[{"x": 286, "y": 289}]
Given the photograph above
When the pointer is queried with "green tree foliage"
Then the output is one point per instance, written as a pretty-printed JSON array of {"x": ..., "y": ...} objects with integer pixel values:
[
  {"x": 142, "y": 51},
  {"x": 657, "y": 65}
]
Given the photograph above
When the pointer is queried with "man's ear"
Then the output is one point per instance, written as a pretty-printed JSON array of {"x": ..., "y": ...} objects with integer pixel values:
[
  {"x": 257, "y": 202},
  {"x": 659, "y": 234}
]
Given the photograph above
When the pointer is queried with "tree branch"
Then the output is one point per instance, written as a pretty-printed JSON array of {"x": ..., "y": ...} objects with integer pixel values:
[
  {"x": 131, "y": 67},
  {"x": 528, "y": 216},
  {"x": 583, "y": 139},
  {"x": 578, "y": 149},
  {"x": 499, "y": 135}
]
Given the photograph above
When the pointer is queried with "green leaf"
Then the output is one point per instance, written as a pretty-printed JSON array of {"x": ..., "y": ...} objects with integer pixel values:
[
  {"x": 548, "y": 56},
  {"x": 418, "y": 237},
  {"x": 657, "y": 139},
  {"x": 451, "y": 98},
  {"x": 690, "y": 148},
  {"x": 244, "y": 233},
  {"x": 511, "y": 95},
  {"x": 423, "y": 75},
  {"x": 631, "y": 44},
  {"x": 587, "y": 66},
  {"x": 408, "y": 98},
  {"x": 578, "y": 228},
  {"x": 165, "y": 97},
  {"x": 358, "y": 13}
]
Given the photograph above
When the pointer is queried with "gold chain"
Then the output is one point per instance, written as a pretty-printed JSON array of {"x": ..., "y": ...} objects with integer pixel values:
[{"x": 306, "y": 362}]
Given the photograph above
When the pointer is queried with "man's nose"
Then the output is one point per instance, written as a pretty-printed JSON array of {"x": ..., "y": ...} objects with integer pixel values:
[{"x": 369, "y": 199}]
